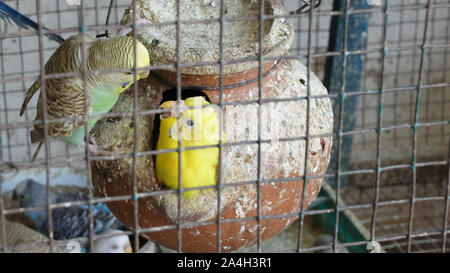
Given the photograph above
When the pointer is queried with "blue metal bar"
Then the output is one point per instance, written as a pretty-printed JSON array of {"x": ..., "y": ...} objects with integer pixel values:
[
  {"x": 334, "y": 73},
  {"x": 7, "y": 13}
]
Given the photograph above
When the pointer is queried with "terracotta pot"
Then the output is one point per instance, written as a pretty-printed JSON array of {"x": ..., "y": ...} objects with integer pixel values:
[
  {"x": 280, "y": 160},
  {"x": 283, "y": 127}
]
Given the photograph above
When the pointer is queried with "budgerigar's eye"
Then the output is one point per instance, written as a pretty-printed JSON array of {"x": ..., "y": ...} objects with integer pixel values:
[{"x": 189, "y": 123}]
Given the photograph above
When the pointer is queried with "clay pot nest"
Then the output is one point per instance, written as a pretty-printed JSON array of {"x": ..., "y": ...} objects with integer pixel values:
[
  {"x": 199, "y": 42},
  {"x": 283, "y": 148}
]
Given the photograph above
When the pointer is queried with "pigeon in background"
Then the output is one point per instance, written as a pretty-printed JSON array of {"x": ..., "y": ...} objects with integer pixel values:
[
  {"x": 67, "y": 222},
  {"x": 327, "y": 240}
]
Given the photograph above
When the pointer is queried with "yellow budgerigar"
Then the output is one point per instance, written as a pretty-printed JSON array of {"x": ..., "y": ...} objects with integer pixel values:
[{"x": 198, "y": 125}]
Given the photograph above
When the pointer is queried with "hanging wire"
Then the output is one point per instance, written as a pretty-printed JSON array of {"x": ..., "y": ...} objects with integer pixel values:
[
  {"x": 106, "y": 34},
  {"x": 306, "y": 7}
]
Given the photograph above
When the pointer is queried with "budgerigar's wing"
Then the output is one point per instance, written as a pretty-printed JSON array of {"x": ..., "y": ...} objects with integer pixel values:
[
  {"x": 102, "y": 215},
  {"x": 65, "y": 96},
  {"x": 69, "y": 223},
  {"x": 73, "y": 222},
  {"x": 109, "y": 221},
  {"x": 71, "y": 197},
  {"x": 65, "y": 102},
  {"x": 9, "y": 14},
  {"x": 29, "y": 95},
  {"x": 104, "y": 219}
]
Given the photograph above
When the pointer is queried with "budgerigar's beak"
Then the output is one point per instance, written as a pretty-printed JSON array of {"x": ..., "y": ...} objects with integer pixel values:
[
  {"x": 167, "y": 105},
  {"x": 128, "y": 249},
  {"x": 144, "y": 74},
  {"x": 176, "y": 107}
]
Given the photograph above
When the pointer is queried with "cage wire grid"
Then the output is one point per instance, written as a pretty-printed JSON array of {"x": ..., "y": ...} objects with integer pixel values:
[{"x": 397, "y": 183}]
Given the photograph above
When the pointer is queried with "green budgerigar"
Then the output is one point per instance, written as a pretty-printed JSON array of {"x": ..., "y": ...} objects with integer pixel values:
[{"x": 66, "y": 96}]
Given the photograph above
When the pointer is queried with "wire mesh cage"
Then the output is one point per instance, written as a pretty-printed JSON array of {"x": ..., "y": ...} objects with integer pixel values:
[{"x": 373, "y": 137}]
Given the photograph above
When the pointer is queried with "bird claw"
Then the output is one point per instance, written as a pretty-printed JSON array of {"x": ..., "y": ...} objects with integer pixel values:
[
  {"x": 91, "y": 140},
  {"x": 98, "y": 150},
  {"x": 126, "y": 29}
]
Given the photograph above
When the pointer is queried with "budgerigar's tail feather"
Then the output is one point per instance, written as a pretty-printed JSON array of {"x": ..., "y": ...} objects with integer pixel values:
[
  {"x": 7, "y": 13},
  {"x": 36, "y": 153},
  {"x": 30, "y": 93},
  {"x": 36, "y": 136}
]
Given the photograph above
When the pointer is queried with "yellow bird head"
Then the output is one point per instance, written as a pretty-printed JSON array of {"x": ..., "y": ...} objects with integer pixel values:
[
  {"x": 198, "y": 123},
  {"x": 118, "y": 53}
]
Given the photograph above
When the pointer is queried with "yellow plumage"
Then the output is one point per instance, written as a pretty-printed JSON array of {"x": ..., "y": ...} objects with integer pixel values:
[{"x": 198, "y": 126}]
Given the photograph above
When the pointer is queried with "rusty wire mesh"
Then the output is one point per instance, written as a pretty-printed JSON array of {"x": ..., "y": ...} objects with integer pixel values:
[{"x": 398, "y": 183}]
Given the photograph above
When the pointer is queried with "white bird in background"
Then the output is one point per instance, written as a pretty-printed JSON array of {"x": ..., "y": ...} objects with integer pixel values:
[{"x": 119, "y": 243}]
